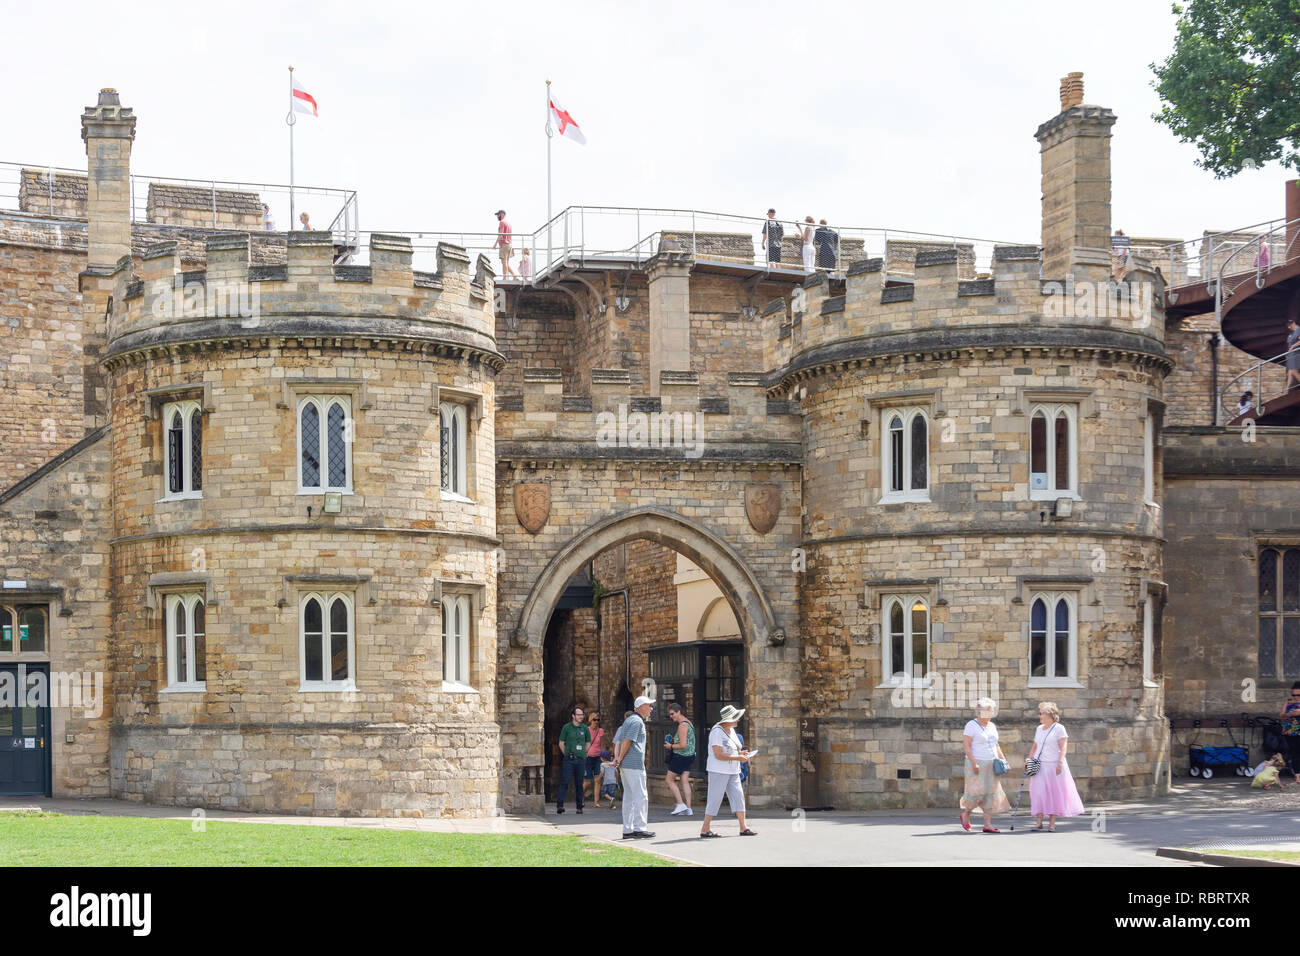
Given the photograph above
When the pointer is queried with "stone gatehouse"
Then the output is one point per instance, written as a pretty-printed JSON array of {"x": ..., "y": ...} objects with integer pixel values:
[{"x": 346, "y": 538}]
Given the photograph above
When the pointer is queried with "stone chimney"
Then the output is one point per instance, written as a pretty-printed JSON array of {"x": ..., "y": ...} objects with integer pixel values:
[
  {"x": 1075, "y": 150},
  {"x": 108, "y": 130}
]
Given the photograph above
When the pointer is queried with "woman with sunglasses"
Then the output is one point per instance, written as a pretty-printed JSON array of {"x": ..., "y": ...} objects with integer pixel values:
[
  {"x": 1290, "y": 717},
  {"x": 594, "y": 751}
]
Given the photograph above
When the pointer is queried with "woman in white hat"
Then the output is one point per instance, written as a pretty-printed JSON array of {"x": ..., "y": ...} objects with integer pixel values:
[{"x": 725, "y": 757}]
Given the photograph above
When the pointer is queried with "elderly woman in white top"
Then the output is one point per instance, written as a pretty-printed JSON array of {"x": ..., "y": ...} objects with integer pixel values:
[
  {"x": 983, "y": 789},
  {"x": 725, "y": 758},
  {"x": 1051, "y": 789}
]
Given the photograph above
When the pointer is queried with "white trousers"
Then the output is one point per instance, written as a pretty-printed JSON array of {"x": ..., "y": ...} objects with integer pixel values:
[
  {"x": 636, "y": 800},
  {"x": 728, "y": 783}
]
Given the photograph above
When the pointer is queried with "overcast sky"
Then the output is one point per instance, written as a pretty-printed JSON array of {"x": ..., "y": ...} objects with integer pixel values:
[{"x": 915, "y": 116}]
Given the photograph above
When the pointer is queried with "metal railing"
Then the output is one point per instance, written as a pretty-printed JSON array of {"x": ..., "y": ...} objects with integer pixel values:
[
  {"x": 592, "y": 235},
  {"x": 1270, "y": 370},
  {"x": 1200, "y": 259},
  {"x": 42, "y": 195}
]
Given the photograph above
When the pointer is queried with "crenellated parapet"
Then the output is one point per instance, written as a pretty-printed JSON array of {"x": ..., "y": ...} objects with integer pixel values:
[
  {"x": 307, "y": 298},
  {"x": 943, "y": 315},
  {"x": 679, "y": 422}
]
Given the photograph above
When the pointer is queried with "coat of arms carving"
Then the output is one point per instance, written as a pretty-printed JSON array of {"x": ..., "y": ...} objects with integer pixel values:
[
  {"x": 762, "y": 506},
  {"x": 533, "y": 505}
]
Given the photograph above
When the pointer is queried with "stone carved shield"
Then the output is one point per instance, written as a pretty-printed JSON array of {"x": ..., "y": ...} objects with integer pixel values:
[
  {"x": 762, "y": 506},
  {"x": 533, "y": 505}
]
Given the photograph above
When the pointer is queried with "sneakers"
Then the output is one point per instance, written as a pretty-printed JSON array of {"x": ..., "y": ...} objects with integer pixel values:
[
  {"x": 559, "y": 809},
  {"x": 640, "y": 834},
  {"x": 679, "y": 810},
  {"x": 690, "y": 812}
]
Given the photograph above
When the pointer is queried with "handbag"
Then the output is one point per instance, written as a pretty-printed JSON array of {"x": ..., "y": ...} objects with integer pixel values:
[
  {"x": 1000, "y": 766},
  {"x": 1034, "y": 764}
]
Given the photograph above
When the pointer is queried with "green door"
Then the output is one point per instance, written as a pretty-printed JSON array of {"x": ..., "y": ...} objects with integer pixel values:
[{"x": 24, "y": 733}]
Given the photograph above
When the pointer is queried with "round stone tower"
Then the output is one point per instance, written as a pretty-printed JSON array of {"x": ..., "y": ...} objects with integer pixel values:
[
  {"x": 304, "y": 531},
  {"x": 981, "y": 513}
]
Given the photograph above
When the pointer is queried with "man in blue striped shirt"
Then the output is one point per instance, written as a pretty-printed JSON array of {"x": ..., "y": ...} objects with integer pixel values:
[{"x": 629, "y": 757}]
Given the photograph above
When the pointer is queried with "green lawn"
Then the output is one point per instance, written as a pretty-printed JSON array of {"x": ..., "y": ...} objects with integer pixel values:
[
  {"x": 1285, "y": 856},
  {"x": 48, "y": 839}
]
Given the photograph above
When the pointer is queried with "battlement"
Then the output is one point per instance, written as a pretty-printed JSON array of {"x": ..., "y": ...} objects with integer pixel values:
[
  {"x": 306, "y": 297},
  {"x": 673, "y": 423},
  {"x": 941, "y": 299}
]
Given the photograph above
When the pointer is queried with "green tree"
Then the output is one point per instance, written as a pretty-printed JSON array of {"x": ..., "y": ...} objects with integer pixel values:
[{"x": 1232, "y": 84}]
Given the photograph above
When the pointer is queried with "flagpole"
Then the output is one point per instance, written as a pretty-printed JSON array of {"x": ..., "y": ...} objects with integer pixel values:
[
  {"x": 548, "y": 173},
  {"x": 291, "y": 120}
]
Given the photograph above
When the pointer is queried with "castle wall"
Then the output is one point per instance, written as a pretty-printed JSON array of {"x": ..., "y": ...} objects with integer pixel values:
[
  {"x": 1211, "y": 635},
  {"x": 40, "y": 350},
  {"x": 54, "y": 535}
]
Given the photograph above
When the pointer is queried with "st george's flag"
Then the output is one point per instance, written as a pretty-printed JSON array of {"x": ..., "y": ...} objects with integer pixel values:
[
  {"x": 568, "y": 126},
  {"x": 303, "y": 102}
]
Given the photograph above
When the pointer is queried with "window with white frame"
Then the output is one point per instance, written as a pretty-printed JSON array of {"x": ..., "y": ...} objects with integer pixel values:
[
  {"x": 1053, "y": 638},
  {"x": 905, "y": 455},
  {"x": 182, "y": 450},
  {"x": 1149, "y": 460},
  {"x": 453, "y": 433},
  {"x": 905, "y": 633},
  {"x": 1053, "y": 451},
  {"x": 324, "y": 443},
  {"x": 327, "y": 643},
  {"x": 186, "y": 616},
  {"x": 456, "y": 640}
]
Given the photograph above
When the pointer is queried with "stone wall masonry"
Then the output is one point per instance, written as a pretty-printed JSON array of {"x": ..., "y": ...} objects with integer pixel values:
[
  {"x": 54, "y": 535},
  {"x": 1211, "y": 624},
  {"x": 444, "y": 769},
  {"x": 201, "y": 207},
  {"x": 1190, "y": 388},
  {"x": 979, "y": 442},
  {"x": 40, "y": 356}
]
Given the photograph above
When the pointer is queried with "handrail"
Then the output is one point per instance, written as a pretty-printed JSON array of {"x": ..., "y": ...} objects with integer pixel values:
[{"x": 1256, "y": 370}]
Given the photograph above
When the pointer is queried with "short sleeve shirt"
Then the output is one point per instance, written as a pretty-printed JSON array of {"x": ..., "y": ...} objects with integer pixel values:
[
  {"x": 575, "y": 738},
  {"x": 1049, "y": 742},
  {"x": 633, "y": 729},
  {"x": 984, "y": 740}
]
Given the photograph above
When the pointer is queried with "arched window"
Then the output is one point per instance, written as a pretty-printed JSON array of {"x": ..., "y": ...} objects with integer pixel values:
[
  {"x": 186, "y": 642},
  {"x": 1279, "y": 613},
  {"x": 456, "y": 639},
  {"x": 453, "y": 434},
  {"x": 327, "y": 654},
  {"x": 905, "y": 457},
  {"x": 1053, "y": 443},
  {"x": 1052, "y": 638},
  {"x": 324, "y": 450},
  {"x": 183, "y": 449},
  {"x": 907, "y": 645}
]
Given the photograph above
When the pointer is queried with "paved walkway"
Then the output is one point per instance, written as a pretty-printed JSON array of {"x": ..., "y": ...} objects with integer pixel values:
[{"x": 1202, "y": 814}]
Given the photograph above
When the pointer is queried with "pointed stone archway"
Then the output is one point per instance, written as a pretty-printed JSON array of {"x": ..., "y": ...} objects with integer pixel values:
[{"x": 713, "y": 555}]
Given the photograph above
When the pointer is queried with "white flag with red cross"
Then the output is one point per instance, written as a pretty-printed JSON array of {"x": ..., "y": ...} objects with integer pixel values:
[
  {"x": 303, "y": 102},
  {"x": 566, "y": 124}
]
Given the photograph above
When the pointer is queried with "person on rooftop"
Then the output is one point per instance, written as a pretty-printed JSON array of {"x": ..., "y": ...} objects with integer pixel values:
[
  {"x": 773, "y": 233},
  {"x": 806, "y": 243},
  {"x": 504, "y": 244},
  {"x": 305, "y": 219}
]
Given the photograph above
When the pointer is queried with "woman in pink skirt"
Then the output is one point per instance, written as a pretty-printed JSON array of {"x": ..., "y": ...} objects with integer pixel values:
[{"x": 1051, "y": 791}]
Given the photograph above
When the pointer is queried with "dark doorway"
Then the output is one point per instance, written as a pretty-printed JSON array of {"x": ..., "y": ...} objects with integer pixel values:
[
  {"x": 24, "y": 730},
  {"x": 702, "y": 676}
]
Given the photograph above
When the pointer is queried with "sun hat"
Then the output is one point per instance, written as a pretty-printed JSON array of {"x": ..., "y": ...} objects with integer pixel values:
[{"x": 730, "y": 714}]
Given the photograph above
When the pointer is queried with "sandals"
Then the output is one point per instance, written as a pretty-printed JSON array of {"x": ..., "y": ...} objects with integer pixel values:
[
  {"x": 710, "y": 835},
  {"x": 992, "y": 830},
  {"x": 965, "y": 822},
  {"x": 748, "y": 832}
]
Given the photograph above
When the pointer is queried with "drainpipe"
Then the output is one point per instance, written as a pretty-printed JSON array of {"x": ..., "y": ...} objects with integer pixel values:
[{"x": 1214, "y": 379}]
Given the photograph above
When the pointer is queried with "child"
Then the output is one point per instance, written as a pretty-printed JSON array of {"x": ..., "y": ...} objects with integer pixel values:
[
  {"x": 526, "y": 265},
  {"x": 1266, "y": 773},
  {"x": 609, "y": 778}
]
